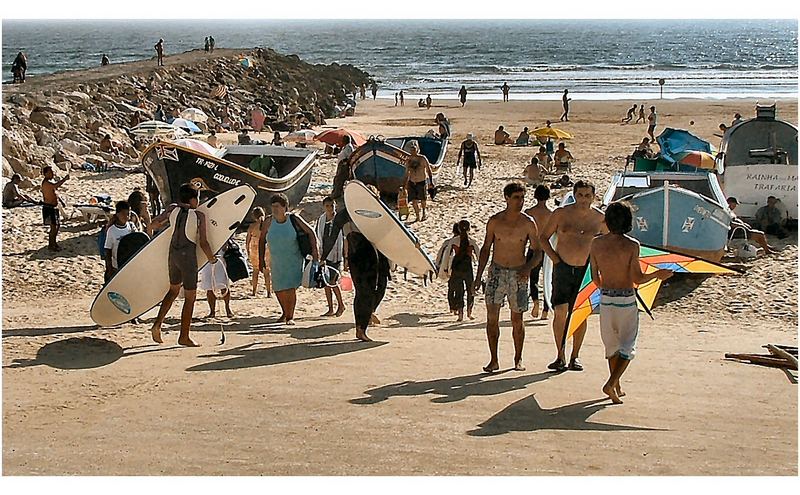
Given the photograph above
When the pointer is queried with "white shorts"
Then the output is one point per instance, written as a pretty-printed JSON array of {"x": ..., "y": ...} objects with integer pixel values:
[
  {"x": 213, "y": 276},
  {"x": 619, "y": 325}
]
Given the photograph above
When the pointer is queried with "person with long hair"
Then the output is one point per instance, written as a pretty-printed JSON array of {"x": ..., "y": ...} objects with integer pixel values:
[
  {"x": 251, "y": 244},
  {"x": 462, "y": 277}
]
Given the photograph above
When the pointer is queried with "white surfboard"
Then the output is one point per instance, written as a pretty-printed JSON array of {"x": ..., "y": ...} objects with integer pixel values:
[
  {"x": 144, "y": 281},
  {"x": 547, "y": 265},
  {"x": 381, "y": 227}
]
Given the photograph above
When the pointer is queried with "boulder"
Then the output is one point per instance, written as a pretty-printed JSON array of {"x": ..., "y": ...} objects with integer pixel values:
[
  {"x": 94, "y": 159},
  {"x": 13, "y": 146},
  {"x": 78, "y": 97},
  {"x": 52, "y": 107},
  {"x": 74, "y": 147},
  {"x": 22, "y": 168},
  {"x": 50, "y": 120},
  {"x": 45, "y": 138},
  {"x": 7, "y": 170},
  {"x": 41, "y": 155}
]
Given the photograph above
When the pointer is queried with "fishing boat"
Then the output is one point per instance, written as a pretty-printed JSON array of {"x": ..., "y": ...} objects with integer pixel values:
[
  {"x": 381, "y": 162},
  {"x": 267, "y": 169},
  {"x": 760, "y": 159},
  {"x": 684, "y": 212}
]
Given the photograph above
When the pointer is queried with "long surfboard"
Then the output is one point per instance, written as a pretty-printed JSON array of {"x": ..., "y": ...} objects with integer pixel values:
[
  {"x": 144, "y": 280},
  {"x": 381, "y": 227}
]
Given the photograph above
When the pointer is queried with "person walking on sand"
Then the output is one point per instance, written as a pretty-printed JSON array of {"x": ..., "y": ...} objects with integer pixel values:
[
  {"x": 428, "y": 102},
  {"x": 576, "y": 225},
  {"x": 182, "y": 260},
  {"x": 251, "y": 244},
  {"x": 121, "y": 225},
  {"x": 159, "y": 51},
  {"x": 395, "y": 98},
  {"x": 462, "y": 279},
  {"x": 343, "y": 169},
  {"x": 462, "y": 95},
  {"x": 472, "y": 158},
  {"x": 629, "y": 115},
  {"x": 418, "y": 170},
  {"x": 641, "y": 117},
  {"x": 565, "y": 103},
  {"x": 50, "y": 201},
  {"x": 652, "y": 121},
  {"x": 504, "y": 88},
  {"x": 510, "y": 232},
  {"x": 336, "y": 248},
  {"x": 540, "y": 213},
  {"x": 402, "y": 99},
  {"x": 616, "y": 272},
  {"x": 374, "y": 90}
]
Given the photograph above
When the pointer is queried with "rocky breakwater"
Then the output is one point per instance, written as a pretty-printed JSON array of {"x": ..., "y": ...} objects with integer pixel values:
[{"x": 61, "y": 119}]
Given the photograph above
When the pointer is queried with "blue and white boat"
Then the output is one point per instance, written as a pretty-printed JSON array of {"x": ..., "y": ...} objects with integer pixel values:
[
  {"x": 381, "y": 162},
  {"x": 684, "y": 212}
]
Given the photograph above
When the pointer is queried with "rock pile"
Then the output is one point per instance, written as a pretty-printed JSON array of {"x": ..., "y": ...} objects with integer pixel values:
[{"x": 64, "y": 126}]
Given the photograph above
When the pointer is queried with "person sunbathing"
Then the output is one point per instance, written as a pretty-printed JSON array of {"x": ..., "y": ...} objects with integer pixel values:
[{"x": 502, "y": 137}]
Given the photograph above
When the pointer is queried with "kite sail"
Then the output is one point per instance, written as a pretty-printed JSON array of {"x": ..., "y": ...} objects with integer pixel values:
[{"x": 650, "y": 259}]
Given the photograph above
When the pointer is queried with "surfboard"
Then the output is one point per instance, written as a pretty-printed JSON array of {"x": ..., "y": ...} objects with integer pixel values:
[
  {"x": 381, "y": 227},
  {"x": 547, "y": 265},
  {"x": 144, "y": 280}
]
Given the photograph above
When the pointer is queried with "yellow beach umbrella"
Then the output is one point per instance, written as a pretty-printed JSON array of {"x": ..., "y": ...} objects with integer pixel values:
[{"x": 551, "y": 132}]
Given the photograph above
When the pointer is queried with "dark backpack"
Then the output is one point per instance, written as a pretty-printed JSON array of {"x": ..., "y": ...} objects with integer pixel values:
[
  {"x": 235, "y": 264},
  {"x": 303, "y": 241}
]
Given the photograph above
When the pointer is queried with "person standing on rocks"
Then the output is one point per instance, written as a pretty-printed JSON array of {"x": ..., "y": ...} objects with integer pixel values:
[
  {"x": 50, "y": 214},
  {"x": 159, "y": 51},
  {"x": 206, "y": 45},
  {"x": 211, "y": 43},
  {"x": 19, "y": 67}
]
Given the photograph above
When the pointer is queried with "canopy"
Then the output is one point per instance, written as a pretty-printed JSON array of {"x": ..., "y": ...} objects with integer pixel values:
[
  {"x": 156, "y": 128},
  {"x": 186, "y": 124},
  {"x": 336, "y": 137},
  {"x": 674, "y": 141},
  {"x": 194, "y": 114},
  {"x": 197, "y": 145},
  {"x": 551, "y": 132}
]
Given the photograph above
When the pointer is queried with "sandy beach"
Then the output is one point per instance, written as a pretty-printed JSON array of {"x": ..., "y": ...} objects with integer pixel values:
[{"x": 311, "y": 400}]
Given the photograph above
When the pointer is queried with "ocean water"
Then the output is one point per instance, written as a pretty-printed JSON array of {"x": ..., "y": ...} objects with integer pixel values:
[{"x": 595, "y": 59}]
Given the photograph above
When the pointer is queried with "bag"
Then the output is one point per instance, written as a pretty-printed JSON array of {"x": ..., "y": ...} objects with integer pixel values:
[
  {"x": 311, "y": 274},
  {"x": 741, "y": 247},
  {"x": 303, "y": 241},
  {"x": 235, "y": 263}
]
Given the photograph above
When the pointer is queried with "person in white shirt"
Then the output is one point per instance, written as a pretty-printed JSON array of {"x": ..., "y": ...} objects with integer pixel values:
[
  {"x": 336, "y": 247},
  {"x": 119, "y": 228}
]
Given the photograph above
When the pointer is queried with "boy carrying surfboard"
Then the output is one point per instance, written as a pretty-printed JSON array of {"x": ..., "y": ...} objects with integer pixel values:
[{"x": 183, "y": 262}]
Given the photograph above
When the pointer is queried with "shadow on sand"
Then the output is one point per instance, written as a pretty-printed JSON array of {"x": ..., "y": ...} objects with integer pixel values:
[
  {"x": 79, "y": 353},
  {"x": 527, "y": 415},
  {"x": 247, "y": 357},
  {"x": 452, "y": 389}
]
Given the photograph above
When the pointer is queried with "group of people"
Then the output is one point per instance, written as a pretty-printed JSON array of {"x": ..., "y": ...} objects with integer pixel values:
[{"x": 208, "y": 45}]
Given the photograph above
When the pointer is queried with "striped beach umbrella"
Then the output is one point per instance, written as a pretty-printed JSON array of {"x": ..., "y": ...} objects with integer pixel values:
[
  {"x": 194, "y": 114},
  {"x": 219, "y": 92},
  {"x": 699, "y": 159}
]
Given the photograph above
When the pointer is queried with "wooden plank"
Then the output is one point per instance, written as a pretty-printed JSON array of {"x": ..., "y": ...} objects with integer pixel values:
[
  {"x": 762, "y": 360},
  {"x": 782, "y": 353}
]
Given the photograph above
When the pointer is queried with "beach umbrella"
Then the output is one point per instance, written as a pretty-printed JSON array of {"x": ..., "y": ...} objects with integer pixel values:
[
  {"x": 301, "y": 136},
  {"x": 551, "y": 132},
  {"x": 699, "y": 159},
  {"x": 197, "y": 145},
  {"x": 186, "y": 124},
  {"x": 194, "y": 114},
  {"x": 154, "y": 128},
  {"x": 335, "y": 137}
]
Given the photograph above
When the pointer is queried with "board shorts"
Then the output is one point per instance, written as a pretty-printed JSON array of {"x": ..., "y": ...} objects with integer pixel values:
[
  {"x": 619, "y": 322},
  {"x": 504, "y": 283},
  {"x": 183, "y": 268},
  {"x": 566, "y": 283},
  {"x": 417, "y": 191},
  {"x": 651, "y": 128},
  {"x": 50, "y": 215}
]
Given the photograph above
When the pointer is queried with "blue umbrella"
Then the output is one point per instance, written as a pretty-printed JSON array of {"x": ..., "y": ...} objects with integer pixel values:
[{"x": 186, "y": 124}]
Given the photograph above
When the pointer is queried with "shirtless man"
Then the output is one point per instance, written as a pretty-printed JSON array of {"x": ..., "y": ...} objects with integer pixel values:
[
  {"x": 50, "y": 201},
  {"x": 502, "y": 137},
  {"x": 616, "y": 271},
  {"x": 541, "y": 215},
  {"x": 418, "y": 168},
  {"x": 511, "y": 232},
  {"x": 576, "y": 226}
]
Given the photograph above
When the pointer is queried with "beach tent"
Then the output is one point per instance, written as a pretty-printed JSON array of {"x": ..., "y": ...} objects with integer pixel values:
[
  {"x": 186, "y": 125},
  {"x": 194, "y": 114}
]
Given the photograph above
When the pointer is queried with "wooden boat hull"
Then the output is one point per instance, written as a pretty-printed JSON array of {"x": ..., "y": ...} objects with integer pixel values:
[{"x": 381, "y": 163}]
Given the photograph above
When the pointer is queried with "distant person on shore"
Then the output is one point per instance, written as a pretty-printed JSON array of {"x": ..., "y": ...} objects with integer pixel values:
[
  {"x": 472, "y": 158},
  {"x": 206, "y": 45},
  {"x": 421, "y": 103},
  {"x": 19, "y": 67},
  {"x": 276, "y": 139},
  {"x": 428, "y": 102},
  {"x": 462, "y": 95},
  {"x": 749, "y": 232},
  {"x": 257, "y": 116},
  {"x": 211, "y": 43},
  {"x": 374, "y": 90},
  {"x": 119, "y": 228},
  {"x": 159, "y": 51},
  {"x": 524, "y": 139},
  {"x": 418, "y": 171},
  {"x": 182, "y": 260},
  {"x": 395, "y": 98},
  {"x": 511, "y": 233},
  {"x": 565, "y": 103},
  {"x": 50, "y": 201},
  {"x": 534, "y": 173},
  {"x": 212, "y": 139},
  {"x": 540, "y": 213},
  {"x": 545, "y": 160},
  {"x": 641, "y": 114},
  {"x": 12, "y": 196},
  {"x": 363, "y": 91},
  {"x": 244, "y": 138},
  {"x": 336, "y": 249},
  {"x": 652, "y": 122},
  {"x": 737, "y": 119},
  {"x": 107, "y": 145},
  {"x": 576, "y": 225},
  {"x": 104, "y": 60},
  {"x": 769, "y": 218},
  {"x": 251, "y": 245},
  {"x": 502, "y": 137},
  {"x": 504, "y": 88},
  {"x": 402, "y": 98},
  {"x": 629, "y": 116},
  {"x": 616, "y": 271}
]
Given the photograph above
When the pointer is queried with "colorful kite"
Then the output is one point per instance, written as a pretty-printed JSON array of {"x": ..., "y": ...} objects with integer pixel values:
[{"x": 650, "y": 259}]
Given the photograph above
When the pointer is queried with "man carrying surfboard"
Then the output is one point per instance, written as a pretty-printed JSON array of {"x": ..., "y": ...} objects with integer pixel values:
[
  {"x": 183, "y": 262},
  {"x": 418, "y": 169},
  {"x": 510, "y": 232}
]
